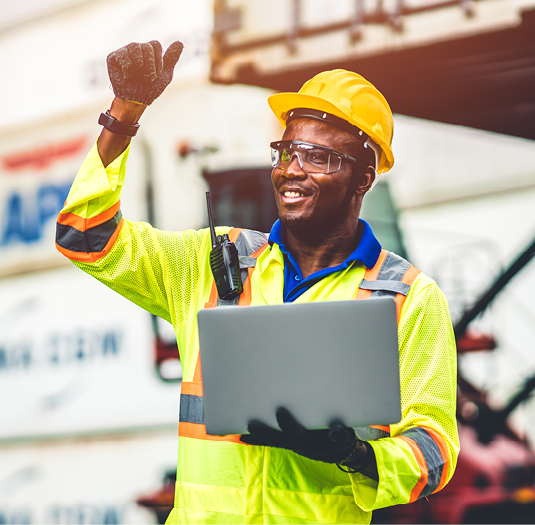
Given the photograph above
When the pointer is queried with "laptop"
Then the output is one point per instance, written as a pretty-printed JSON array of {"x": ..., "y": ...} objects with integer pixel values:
[{"x": 321, "y": 361}]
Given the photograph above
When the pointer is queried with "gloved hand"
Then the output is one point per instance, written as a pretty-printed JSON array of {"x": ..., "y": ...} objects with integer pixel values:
[
  {"x": 138, "y": 72},
  {"x": 338, "y": 444}
]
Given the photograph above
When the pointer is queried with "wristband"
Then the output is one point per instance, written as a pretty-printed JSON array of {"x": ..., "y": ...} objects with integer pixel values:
[
  {"x": 115, "y": 126},
  {"x": 365, "y": 461}
]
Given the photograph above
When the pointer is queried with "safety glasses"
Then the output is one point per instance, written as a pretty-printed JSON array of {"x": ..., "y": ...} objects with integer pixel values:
[{"x": 312, "y": 158}]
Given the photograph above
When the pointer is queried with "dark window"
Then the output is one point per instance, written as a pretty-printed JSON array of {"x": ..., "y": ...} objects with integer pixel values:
[{"x": 242, "y": 198}]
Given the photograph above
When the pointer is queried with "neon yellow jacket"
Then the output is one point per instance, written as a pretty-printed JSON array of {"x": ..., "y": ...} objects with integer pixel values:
[{"x": 220, "y": 480}]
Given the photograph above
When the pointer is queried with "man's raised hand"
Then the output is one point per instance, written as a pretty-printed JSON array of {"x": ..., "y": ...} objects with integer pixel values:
[{"x": 139, "y": 73}]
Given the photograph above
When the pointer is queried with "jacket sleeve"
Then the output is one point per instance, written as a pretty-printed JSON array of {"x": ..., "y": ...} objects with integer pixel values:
[
  {"x": 420, "y": 455},
  {"x": 155, "y": 269}
]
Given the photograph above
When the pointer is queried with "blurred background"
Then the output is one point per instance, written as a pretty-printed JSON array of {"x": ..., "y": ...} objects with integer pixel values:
[{"x": 89, "y": 383}]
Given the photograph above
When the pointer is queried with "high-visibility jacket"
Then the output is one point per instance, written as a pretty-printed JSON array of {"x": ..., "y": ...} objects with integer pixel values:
[{"x": 219, "y": 479}]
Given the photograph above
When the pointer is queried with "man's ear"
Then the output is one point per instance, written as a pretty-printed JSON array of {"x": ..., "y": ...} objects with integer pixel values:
[{"x": 366, "y": 181}]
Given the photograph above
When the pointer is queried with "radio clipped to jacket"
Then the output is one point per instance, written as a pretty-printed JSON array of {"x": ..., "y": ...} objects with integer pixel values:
[{"x": 224, "y": 261}]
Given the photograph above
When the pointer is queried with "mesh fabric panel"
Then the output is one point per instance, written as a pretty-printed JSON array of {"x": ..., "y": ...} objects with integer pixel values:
[
  {"x": 157, "y": 270},
  {"x": 428, "y": 363}
]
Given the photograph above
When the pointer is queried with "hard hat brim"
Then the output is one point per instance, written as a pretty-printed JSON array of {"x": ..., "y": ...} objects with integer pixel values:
[{"x": 282, "y": 103}]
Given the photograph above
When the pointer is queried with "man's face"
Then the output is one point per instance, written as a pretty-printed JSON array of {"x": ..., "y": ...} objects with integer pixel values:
[{"x": 317, "y": 201}]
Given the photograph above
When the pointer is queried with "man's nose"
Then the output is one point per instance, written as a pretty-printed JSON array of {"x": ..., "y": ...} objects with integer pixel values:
[{"x": 295, "y": 168}]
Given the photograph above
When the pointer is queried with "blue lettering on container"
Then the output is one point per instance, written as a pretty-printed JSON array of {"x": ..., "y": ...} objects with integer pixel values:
[
  {"x": 16, "y": 356},
  {"x": 15, "y": 517},
  {"x": 61, "y": 350},
  {"x": 110, "y": 343},
  {"x": 26, "y": 215},
  {"x": 86, "y": 514}
]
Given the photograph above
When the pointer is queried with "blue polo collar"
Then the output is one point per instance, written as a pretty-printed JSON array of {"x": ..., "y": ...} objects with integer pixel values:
[{"x": 367, "y": 252}]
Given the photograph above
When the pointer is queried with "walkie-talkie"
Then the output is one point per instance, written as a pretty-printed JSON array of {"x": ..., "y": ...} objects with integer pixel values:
[{"x": 224, "y": 261}]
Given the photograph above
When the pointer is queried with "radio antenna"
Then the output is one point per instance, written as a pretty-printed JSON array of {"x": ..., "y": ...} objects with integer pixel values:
[{"x": 211, "y": 220}]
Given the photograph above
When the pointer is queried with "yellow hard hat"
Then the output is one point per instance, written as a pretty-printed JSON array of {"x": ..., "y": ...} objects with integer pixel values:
[{"x": 348, "y": 96}]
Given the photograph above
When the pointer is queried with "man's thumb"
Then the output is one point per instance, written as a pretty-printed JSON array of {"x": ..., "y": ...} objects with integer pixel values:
[{"x": 172, "y": 55}]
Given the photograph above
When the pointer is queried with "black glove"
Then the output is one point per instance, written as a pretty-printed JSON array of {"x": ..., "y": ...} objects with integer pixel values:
[
  {"x": 338, "y": 444},
  {"x": 138, "y": 72}
]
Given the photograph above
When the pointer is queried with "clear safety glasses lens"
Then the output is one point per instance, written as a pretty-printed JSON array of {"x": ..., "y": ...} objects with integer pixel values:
[{"x": 312, "y": 158}]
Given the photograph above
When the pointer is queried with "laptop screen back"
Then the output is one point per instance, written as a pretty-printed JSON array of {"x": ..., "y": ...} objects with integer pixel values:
[{"x": 321, "y": 361}]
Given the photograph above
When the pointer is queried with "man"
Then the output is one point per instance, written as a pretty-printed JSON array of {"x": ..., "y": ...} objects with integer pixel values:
[{"x": 338, "y": 133}]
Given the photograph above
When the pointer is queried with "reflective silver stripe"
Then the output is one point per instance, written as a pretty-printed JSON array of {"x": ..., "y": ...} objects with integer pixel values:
[
  {"x": 191, "y": 409},
  {"x": 92, "y": 240},
  {"x": 432, "y": 455},
  {"x": 370, "y": 434},
  {"x": 249, "y": 241},
  {"x": 247, "y": 262},
  {"x": 387, "y": 286},
  {"x": 394, "y": 268},
  {"x": 388, "y": 280}
]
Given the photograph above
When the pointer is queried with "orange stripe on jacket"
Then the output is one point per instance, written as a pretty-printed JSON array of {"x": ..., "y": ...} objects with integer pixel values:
[
  {"x": 422, "y": 464},
  {"x": 92, "y": 257},
  {"x": 197, "y": 431},
  {"x": 385, "y": 428},
  {"x": 439, "y": 440},
  {"x": 212, "y": 300},
  {"x": 195, "y": 387},
  {"x": 81, "y": 224},
  {"x": 408, "y": 278},
  {"x": 246, "y": 297}
]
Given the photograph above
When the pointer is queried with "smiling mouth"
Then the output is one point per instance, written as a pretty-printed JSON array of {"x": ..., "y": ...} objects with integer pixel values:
[{"x": 292, "y": 194}]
